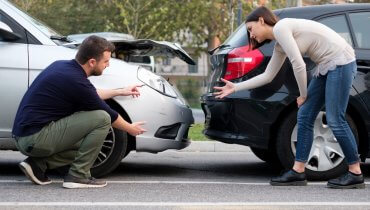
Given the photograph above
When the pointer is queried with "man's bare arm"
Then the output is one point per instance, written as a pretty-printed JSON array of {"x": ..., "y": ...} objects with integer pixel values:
[
  {"x": 133, "y": 129},
  {"x": 107, "y": 93},
  {"x": 127, "y": 91}
]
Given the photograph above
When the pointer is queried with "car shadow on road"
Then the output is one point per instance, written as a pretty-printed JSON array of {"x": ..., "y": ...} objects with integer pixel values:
[
  {"x": 176, "y": 166},
  {"x": 202, "y": 169},
  {"x": 9, "y": 169},
  {"x": 197, "y": 169}
]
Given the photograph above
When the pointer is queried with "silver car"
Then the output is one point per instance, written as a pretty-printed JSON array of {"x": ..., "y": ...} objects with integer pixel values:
[{"x": 28, "y": 46}]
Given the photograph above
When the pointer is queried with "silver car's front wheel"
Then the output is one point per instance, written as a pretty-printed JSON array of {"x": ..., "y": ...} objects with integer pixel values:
[
  {"x": 326, "y": 159},
  {"x": 107, "y": 149},
  {"x": 113, "y": 150}
]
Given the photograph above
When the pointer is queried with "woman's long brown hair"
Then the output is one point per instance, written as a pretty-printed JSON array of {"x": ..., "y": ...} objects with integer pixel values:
[{"x": 270, "y": 19}]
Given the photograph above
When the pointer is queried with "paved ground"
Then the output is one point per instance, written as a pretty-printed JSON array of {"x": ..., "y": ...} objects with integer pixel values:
[{"x": 193, "y": 179}]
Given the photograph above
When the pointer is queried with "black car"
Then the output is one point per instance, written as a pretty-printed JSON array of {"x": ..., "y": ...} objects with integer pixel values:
[{"x": 265, "y": 118}]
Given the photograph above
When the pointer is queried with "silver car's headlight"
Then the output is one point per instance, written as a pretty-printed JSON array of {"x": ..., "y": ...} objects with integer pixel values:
[{"x": 156, "y": 82}]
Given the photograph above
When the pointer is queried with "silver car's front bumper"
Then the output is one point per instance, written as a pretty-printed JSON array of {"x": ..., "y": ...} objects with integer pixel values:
[
  {"x": 175, "y": 140},
  {"x": 167, "y": 120}
]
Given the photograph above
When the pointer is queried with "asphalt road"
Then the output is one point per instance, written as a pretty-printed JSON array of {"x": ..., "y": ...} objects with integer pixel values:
[{"x": 178, "y": 180}]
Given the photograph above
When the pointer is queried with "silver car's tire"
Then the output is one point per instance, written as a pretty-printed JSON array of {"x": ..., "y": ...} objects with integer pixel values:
[
  {"x": 113, "y": 150},
  {"x": 326, "y": 158}
]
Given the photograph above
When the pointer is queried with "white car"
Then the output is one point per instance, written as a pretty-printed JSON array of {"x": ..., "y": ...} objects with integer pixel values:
[{"x": 27, "y": 47}]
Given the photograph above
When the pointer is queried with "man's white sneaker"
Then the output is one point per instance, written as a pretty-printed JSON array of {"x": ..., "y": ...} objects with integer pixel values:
[
  {"x": 72, "y": 182},
  {"x": 33, "y": 172}
]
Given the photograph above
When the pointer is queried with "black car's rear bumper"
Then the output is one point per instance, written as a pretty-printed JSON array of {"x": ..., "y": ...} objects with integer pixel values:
[{"x": 242, "y": 121}]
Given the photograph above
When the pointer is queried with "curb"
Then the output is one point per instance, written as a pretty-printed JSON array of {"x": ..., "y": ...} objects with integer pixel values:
[{"x": 214, "y": 146}]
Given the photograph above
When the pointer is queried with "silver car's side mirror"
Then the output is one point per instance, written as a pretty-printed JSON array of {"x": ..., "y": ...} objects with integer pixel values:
[{"x": 7, "y": 34}]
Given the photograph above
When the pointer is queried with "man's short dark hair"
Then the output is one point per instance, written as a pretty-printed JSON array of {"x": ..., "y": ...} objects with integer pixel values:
[{"x": 93, "y": 47}]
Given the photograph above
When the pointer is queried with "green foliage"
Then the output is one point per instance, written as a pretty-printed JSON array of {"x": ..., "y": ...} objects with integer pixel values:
[
  {"x": 70, "y": 16},
  {"x": 195, "y": 133},
  {"x": 146, "y": 19},
  {"x": 190, "y": 89},
  {"x": 189, "y": 22}
]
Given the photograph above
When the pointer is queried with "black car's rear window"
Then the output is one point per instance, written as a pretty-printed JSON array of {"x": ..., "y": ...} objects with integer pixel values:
[{"x": 238, "y": 38}]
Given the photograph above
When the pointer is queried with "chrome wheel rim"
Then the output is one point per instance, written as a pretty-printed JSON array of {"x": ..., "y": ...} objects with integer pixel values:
[
  {"x": 326, "y": 152},
  {"x": 107, "y": 149}
]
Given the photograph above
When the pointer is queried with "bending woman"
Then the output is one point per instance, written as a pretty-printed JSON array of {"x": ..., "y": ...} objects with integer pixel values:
[{"x": 336, "y": 68}]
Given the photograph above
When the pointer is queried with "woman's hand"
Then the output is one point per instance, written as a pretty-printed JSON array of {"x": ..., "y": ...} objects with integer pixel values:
[
  {"x": 225, "y": 90},
  {"x": 301, "y": 100}
]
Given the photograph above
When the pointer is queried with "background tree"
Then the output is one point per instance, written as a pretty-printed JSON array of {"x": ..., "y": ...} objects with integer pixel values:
[
  {"x": 190, "y": 22},
  {"x": 70, "y": 16}
]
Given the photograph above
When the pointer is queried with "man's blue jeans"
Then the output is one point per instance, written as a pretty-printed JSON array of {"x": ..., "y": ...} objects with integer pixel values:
[{"x": 332, "y": 90}]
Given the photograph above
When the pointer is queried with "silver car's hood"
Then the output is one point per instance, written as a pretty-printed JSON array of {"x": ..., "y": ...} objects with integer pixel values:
[
  {"x": 154, "y": 48},
  {"x": 141, "y": 47}
]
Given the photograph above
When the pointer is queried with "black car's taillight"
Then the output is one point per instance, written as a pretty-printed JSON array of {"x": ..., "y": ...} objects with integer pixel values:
[{"x": 240, "y": 61}]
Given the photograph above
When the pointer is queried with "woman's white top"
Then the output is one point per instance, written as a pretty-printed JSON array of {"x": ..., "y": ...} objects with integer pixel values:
[{"x": 297, "y": 37}]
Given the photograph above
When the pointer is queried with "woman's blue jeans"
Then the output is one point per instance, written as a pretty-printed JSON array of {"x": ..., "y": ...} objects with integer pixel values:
[{"x": 332, "y": 90}]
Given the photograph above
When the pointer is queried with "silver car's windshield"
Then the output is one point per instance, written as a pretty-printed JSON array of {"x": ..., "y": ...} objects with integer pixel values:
[{"x": 40, "y": 25}]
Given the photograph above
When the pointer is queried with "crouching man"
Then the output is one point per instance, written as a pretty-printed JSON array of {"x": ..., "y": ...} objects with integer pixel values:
[{"x": 63, "y": 120}]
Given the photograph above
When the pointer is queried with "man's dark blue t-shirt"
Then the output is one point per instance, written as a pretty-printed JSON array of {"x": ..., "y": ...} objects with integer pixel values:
[{"x": 59, "y": 91}]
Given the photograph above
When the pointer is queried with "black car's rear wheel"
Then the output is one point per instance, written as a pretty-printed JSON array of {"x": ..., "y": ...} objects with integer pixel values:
[
  {"x": 112, "y": 152},
  {"x": 326, "y": 158},
  {"x": 267, "y": 155}
]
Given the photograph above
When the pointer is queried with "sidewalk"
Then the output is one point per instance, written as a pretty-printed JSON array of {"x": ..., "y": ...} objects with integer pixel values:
[
  {"x": 214, "y": 146},
  {"x": 197, "y": 146}
]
